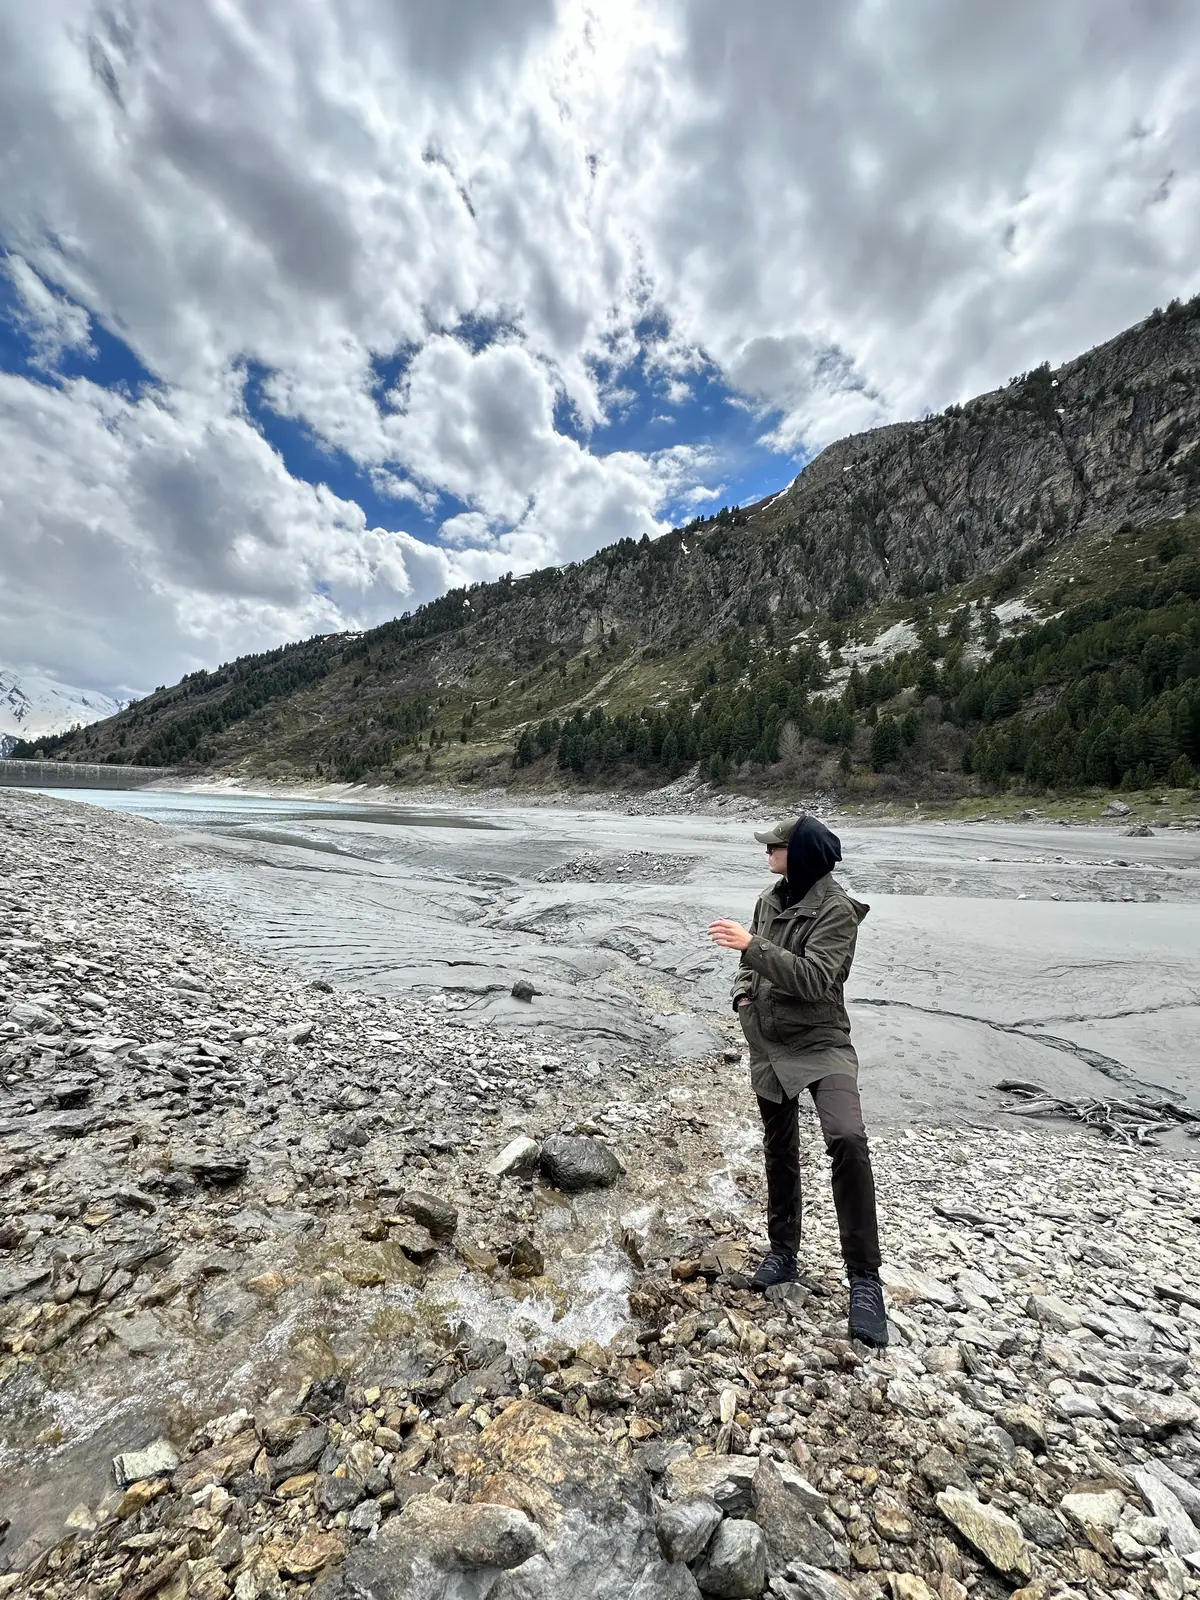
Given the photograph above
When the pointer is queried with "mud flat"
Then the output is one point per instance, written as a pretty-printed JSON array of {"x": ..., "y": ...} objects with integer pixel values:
[
  {"x": 248, "y": 1227},
  {"x": 1056, "y": 955}
]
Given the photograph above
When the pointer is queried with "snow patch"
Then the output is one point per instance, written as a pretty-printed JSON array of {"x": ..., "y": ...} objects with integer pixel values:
[{"x": 32, "y": 704}]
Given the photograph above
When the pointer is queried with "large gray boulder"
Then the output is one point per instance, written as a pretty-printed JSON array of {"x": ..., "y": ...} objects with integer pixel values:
[
  {"x": 435, "y": 1551},
  {"x": 786, "y": 1507},
  {"x": 573, "y": 1162},
  {"x": 685, "y": 1527},
  {"x": 735, "y": 1567}
]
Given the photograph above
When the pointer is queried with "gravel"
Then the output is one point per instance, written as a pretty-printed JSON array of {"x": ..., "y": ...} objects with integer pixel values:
[{"x": 212, "y": 1270}]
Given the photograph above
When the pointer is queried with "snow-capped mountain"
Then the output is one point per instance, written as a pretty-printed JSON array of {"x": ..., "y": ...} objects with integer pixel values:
[{"x": 33, "y": 704}]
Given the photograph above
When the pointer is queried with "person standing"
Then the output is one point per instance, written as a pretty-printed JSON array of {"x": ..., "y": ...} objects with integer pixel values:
[{"x": 788, "y": 995}]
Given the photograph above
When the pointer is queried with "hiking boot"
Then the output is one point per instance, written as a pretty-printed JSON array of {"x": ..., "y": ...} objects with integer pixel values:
[
  {"x": 777, "y": 1267},
  {"x": 868, "y": 1315}
]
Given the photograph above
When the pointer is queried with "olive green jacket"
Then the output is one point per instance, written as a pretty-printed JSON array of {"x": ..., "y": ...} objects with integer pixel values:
[{"x": 793, "y": 972}]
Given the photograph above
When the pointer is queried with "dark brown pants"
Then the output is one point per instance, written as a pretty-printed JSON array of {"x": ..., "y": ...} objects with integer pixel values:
[{"x": 840, "y": 1114}]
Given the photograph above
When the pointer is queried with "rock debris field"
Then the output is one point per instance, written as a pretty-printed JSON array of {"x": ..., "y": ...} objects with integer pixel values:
[{"x": 310, "y": 1291}]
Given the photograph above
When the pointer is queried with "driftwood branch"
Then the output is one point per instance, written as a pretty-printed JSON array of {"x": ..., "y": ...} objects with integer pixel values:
[{"x": 1137, "y": 1120}]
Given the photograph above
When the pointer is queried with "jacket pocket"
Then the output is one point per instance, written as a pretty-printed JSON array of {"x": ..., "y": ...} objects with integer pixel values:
[{"x": 747, "y": 1019}]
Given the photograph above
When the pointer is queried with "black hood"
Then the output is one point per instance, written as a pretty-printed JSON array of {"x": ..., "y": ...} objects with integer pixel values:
[{"x": 812, "y": 852}]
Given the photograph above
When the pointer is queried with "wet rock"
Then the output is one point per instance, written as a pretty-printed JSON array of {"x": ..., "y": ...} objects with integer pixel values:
[
  {"x": 522, "y": 1258},
  {"x": 438, "y": 1216},
  {"x": 685, "y": 1526},
  {"x": 572, "y": 1162},
  {"x": 993, "y": 1534},
  {"x": 417, "y": 1242},
  {"x": 523, "y": 990},
  {"x": 157, "y": 1460},
  {"x": 735, "y": 1565},
  {"x": 593, "y": 1506},
  {"x": 521, "y": 1156}
]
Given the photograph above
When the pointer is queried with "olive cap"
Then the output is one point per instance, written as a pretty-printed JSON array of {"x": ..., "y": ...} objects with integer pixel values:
[{"x": 778, "y": 833}]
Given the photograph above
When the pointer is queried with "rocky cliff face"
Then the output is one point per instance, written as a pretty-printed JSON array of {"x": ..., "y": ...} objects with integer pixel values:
[{"x": 1110, "y": 437}]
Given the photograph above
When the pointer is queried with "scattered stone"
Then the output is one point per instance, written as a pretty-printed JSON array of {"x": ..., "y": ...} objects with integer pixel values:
[
  {"x": 523, "y": 990},
  {"x": 1115, "y": 808},
  {"x": 115, "y": 1246},
  {"x": 519, "y": 1157},
  {"x": 438, "y": 1216}
]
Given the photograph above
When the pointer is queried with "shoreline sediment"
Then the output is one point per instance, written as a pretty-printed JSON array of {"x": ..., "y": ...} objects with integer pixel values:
[{"x": 229, "y": 1193}]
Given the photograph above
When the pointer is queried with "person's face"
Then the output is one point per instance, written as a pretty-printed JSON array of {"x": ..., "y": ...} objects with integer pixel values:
[{"x": 777, "y": 859}]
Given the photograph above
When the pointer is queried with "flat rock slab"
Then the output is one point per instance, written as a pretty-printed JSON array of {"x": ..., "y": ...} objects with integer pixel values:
[
  {"x": 157, "y": 1460},
  {"x": 992, "y": 1534}
]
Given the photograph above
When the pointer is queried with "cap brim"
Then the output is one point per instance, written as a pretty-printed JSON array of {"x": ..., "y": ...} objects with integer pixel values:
[{"x": 768, "y": 838}]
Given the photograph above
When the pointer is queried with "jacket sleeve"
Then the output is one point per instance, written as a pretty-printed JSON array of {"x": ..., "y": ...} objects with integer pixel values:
[
  {"x": 744, "y": 980},
  {"x": 811, "y": 975}
]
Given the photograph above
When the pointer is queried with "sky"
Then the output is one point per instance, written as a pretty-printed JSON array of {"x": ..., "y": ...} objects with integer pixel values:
[{"x": 312, "y": 309}]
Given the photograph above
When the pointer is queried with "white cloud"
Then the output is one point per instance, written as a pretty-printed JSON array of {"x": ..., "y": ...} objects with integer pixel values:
[
  {"x": 51, "y": 323},
  {"x": 849, "y": 212}
]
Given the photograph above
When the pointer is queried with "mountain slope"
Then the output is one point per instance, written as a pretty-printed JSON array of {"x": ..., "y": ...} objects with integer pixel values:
[{"x": 1067, "y": 467}]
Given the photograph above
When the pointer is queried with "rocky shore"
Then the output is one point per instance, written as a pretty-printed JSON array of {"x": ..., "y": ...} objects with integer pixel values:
[{"x": 304, "y": 1290}]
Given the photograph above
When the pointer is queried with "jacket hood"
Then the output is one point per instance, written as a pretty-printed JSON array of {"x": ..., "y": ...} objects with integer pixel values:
[{"x": 813, "y": 852}]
